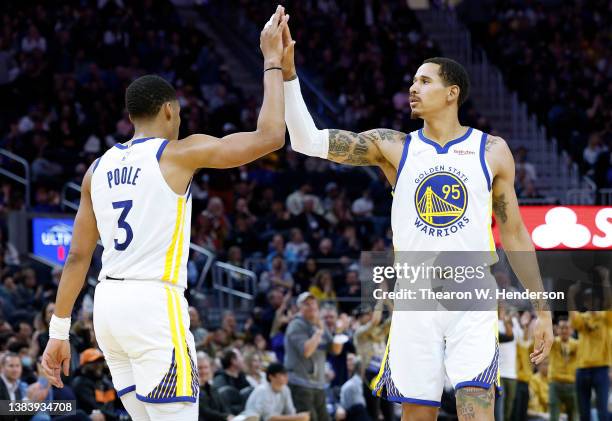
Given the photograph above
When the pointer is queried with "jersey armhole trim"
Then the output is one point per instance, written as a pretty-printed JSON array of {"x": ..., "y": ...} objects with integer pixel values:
[
  {"x": 160, "y": 151},
  {"x": 483, "y": 161},
  {"x": 403, "y": 159},
  {"x": 96, "y": 163}
]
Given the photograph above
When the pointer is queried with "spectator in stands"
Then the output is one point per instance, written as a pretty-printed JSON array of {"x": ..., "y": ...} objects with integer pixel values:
[
  {"x": 306, "y": 347},
  {"x": 277, "y": 277},
  {"x": 363, "y": 206},
  {"x": 297, "y": 249},
  {"x": 523, "y": 165},
  {"x": 593, "y": 328},
  {"x": 309, "y": 220},
  {"x": 509, "y": 329},
  {"x": 352, "y": 397},
  {"x": 562, "y": 373},
  {"x": 271, "y": 400},
  {"x": 92, "y": 388},
  {"x": 306, "y": 274},
  {"x": 323, "y": 287},
  {"x": 253, "y": 371},
  {"x": 11, "y": 385},
  {"x": 538, "y": 392},
  {"x": 370, "y": 340},
  {"x": 524, "y": 368},
  {"x": 277, "y": 248},
  {"x": 212, "y": 407},
  {"x": 337, "y": 325},
  {"x": 195, "y": 326},
  {"x": 230, "y": 327},
  {"x": 295, "y": 201},
  {"x": 592, "y": 151},
  {"x": 10, "y": 254},
  {"x": 232, "y": 373}
]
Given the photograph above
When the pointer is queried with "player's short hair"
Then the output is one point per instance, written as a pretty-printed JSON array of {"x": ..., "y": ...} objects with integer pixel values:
[
  {"x": 453, "y": 73},
  {"x": 145, "y": 96}
]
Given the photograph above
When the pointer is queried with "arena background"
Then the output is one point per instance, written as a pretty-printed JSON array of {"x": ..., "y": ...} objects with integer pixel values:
[{"x": 541, "y": 74}]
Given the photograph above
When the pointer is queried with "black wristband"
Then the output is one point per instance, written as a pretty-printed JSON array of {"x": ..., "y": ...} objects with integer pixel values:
[{"x": 273, "y": 68}]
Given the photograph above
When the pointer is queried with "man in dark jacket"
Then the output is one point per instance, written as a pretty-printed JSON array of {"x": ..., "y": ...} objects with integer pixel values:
[
  {"x": 212, "y": 406},
  {"x": 233, "y": 371}
]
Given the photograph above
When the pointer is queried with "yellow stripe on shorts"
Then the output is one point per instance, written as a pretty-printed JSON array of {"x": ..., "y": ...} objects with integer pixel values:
[
  {"x": 176, "y": 341},
  {"x": 170, "y": 253},
  {"x": 381, "y": 371},
  {"x": 183, "y": 344}
]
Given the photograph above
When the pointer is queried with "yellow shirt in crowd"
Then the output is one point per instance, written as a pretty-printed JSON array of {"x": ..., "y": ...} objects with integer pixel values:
[
  {"x": 538, "y": 394},
  {"x": 593, "y": 329},
  {"x": 563, "y": 360},
  {"x": 524, "y": 369}
]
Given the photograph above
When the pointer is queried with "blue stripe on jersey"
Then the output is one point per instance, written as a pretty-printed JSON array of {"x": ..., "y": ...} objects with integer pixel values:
[
  {"x": 134, "y": 142},
  {"x": 483, "y": 163},
  {"x": 93, "y": 170},
  {"x": 446, "y": 147},
  {"x": 404, "y": 155},
  {"x": 160, "y": 151}
]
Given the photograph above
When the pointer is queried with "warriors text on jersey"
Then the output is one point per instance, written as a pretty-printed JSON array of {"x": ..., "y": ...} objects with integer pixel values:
[{"x": 144, "y": 226}]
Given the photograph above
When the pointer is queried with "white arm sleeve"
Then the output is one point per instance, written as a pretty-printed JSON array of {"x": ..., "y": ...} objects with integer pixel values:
[{"x": 304, "y": 135}]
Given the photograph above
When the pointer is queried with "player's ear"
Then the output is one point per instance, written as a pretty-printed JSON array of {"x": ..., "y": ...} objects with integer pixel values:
[
  {"x": 453, "y": 93},
  {"x": 167, "y": 107}
]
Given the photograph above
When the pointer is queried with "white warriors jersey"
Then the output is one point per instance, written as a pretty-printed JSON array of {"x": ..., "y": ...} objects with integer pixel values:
[
  {"x": 442, "y": 195},
  {"x": 144, "y": 226}
]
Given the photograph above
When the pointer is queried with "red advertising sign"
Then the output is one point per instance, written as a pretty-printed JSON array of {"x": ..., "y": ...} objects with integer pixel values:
[{"x": 567, "y": 227}]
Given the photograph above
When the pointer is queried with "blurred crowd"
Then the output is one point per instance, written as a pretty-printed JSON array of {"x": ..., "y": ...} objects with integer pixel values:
[{"x": 557, "y": 55}]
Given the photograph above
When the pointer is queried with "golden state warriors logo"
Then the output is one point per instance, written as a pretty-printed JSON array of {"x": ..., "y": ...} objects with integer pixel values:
[{"x": 441, "y": 199}]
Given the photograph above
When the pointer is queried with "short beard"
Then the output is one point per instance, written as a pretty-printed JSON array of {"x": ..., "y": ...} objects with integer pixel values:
[{"x": 414, "y": 115}]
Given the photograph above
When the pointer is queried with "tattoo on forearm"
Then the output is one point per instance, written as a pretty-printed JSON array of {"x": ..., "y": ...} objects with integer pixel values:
[
  {"x": 473, "y": 401},
  {"x": 356, "y": 148},
  {"x": 499, "y": 207},
  {"x": 348, "y": 147},
  {"x": 490, "y": 142}
]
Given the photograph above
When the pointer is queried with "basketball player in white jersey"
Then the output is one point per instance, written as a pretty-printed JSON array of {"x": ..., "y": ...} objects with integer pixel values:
[
  {"x": 468, "y": 169},
  {"x": 136, "y": 199}
]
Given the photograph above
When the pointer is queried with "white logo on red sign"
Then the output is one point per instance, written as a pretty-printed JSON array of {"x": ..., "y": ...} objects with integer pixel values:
[{"x": 562, "y": 228}]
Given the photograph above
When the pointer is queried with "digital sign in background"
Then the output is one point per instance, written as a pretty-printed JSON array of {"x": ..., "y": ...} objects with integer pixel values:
[
  {"x": 567, "y": 227},
  {"x": 51, "y": 238}
]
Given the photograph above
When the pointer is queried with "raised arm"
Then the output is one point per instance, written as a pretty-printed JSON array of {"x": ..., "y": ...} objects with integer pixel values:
[
  {"x": 516, "y": 240},
  {"x": 378, "y": 147},
  {"x": 203, "y": 151}
]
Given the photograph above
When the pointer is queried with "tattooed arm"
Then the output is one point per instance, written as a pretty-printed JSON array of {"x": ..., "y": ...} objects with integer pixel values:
[
  {"x": 516, "y": 240},
  {"x": 379, "y": 147}
]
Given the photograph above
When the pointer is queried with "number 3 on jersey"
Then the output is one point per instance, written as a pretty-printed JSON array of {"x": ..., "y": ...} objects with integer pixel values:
[{"x": 126, "y": 205}]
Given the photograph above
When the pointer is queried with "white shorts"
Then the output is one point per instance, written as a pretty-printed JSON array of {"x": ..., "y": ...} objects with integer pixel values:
[
  {"x": 425, "y": 346},
  {"x": 142, "y": 327}
]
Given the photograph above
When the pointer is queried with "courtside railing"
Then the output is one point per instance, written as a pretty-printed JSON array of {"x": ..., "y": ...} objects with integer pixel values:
[
  {"x": 25, "y": 180},
  {"x": 236, "y": 287}
]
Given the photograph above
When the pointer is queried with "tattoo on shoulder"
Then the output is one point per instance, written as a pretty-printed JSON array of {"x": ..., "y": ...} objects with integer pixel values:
[
  {"x": 388, "y": 135},
  {"x": 491, "y": 140},
  {"x": 499, "y": 207},
  {"x": 473, "y": 401}
]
